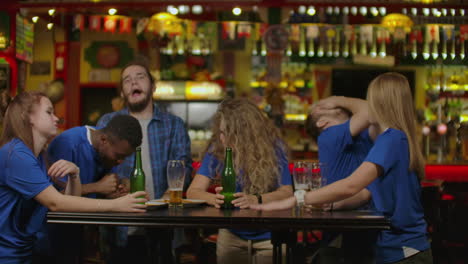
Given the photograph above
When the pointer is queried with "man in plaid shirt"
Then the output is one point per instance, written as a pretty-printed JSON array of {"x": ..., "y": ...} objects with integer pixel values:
[{"x": 164, "y": 138}]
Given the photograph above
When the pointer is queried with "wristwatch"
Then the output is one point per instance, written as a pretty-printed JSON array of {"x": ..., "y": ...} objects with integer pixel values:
[
  {"x": 259, "y": 198},
  {"x": 300, "y": 194}
]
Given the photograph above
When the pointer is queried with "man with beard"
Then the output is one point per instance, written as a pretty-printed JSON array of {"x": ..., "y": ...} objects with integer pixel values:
[
  {"x": 164, "y": 138},
  {"x": 95, "y": 152}
]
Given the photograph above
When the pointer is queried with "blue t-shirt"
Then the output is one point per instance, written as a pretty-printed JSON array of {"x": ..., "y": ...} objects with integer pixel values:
[
  {"x": 22, "y": 177},
  {"x": 73, "y": 145},
  {"x": 340, "y": 152},
  {"x": 209, "y": 168},
  {"x": 397, "y": 194},
  {"x": 343, "y": 154}
]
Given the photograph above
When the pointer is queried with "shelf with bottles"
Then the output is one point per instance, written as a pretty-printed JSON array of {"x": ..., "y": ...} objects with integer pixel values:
[
  {"x": 446, "y": 81},
  {"x": 291, "y": 97}
]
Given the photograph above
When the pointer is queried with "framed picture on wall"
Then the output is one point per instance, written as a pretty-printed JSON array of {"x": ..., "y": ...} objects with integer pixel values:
[{"x": 4, "y": 76}]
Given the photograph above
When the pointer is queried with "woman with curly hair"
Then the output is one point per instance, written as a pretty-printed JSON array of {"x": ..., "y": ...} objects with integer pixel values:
[{"x": 261, "y": 165}]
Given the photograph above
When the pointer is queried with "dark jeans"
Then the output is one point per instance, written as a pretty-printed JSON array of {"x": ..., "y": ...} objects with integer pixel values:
[
  {"x": 153, "y": 247},
  {"x": 356, "y": 248},
  {"x": 424, "y": 257}
]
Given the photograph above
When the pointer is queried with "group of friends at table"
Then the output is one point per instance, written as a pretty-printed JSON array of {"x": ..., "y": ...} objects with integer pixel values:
[{"x": 369, "y": 146}]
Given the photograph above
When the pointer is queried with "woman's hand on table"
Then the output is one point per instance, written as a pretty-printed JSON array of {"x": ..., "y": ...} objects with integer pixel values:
[
  {"x": 218, "y": 198},
  {"x": 244, "y": 201},
  {"x": 276, "y": 205},
  {"x": 132, "y": 203},
  {"x": 326, "y": 207}
]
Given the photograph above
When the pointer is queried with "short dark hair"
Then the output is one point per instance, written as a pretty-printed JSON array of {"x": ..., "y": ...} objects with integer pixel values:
[
  {"x": 124, "y": 127},
  {"x": 311, "y": 127}
]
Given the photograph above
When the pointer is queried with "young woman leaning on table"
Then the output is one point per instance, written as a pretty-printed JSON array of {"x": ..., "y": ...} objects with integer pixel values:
[
  {"x": 26, "y": 191},
  {"x": 390, "y": 171},
  {"x": 261, "y": 165}
]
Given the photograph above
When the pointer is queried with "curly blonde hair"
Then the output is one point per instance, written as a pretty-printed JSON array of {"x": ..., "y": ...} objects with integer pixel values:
[{"x": 257, "y": 145}]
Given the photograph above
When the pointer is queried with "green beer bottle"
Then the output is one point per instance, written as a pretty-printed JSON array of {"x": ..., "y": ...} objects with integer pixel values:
[
  {"x": 228, "y": 180},
  {"x": 137, "y": 179}
]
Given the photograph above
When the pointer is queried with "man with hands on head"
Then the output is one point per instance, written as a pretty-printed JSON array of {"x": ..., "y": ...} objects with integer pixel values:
[
  {"x": 339, "y": 126},
  {"x": 391, "y": 172},
  {"x": 97, "y": 151}
]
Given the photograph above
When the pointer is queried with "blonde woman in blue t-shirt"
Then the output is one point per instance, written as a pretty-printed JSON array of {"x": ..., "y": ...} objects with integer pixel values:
[
  {"x": 391, "y": 170},
  {"x": 26, "y": 191}
]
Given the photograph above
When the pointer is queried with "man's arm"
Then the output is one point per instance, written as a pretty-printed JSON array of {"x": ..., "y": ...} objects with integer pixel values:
[
  {"x": 106, "y": 185},
  {"x": 353, "y": 202},
  {"x": 358, "y": 107}
]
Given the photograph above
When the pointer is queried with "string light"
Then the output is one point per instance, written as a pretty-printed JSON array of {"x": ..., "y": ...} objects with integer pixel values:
[
  {"x": 311, "y": 11},
  {"x": 426, "y": 11},
  {"x": 345, "y": 10},
  {"x": 172, "y": 10},
  {"x": 50, "y": 26},
  {"x": 363, "y": 10},
  {"x": 237, "y": 11},
  {"x": 336, "y": 10},
  {"x": 35, "y": 19},
  {"x": 383, "y": 10},
  {"x": 112, "y": 11},
  {"x": 302, "y": 9},
  {"x": 197, "y": 9},
  {"x": 184, "y": 9}
]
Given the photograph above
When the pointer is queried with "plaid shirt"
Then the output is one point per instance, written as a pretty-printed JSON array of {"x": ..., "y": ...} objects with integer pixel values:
[{"x": 168, "y": 140}]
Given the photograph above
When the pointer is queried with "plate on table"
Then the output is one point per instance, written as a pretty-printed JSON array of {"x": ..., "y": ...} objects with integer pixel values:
[
  {"x": 186, "y": 202},
  {"x": 154, "y": 204}
]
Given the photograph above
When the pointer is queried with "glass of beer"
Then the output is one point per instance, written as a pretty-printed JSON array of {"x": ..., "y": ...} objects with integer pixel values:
[{"x": 175, "y": 181}]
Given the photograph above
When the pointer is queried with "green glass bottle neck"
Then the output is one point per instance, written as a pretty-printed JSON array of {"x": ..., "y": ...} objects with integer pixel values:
[
  {"x": 138, "y": 158},
  {"x": 228, "y": 159}
]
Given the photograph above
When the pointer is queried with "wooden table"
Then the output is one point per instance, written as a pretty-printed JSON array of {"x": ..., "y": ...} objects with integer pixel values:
[{"x": 283, "y": 224}]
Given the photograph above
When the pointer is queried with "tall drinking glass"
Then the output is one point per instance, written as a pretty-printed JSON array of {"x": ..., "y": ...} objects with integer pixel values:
[
  {"x": 301, "y": 175},
  {"x": 175, "y": 181},
  {"x": 318, "y": 180}
]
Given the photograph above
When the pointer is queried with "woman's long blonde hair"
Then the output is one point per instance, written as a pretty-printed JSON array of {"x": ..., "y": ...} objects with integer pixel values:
[
  {"x": 391, "y": 104},
  {"x": 17, "y": 121},
  {"x": 256, "y": 145}
]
